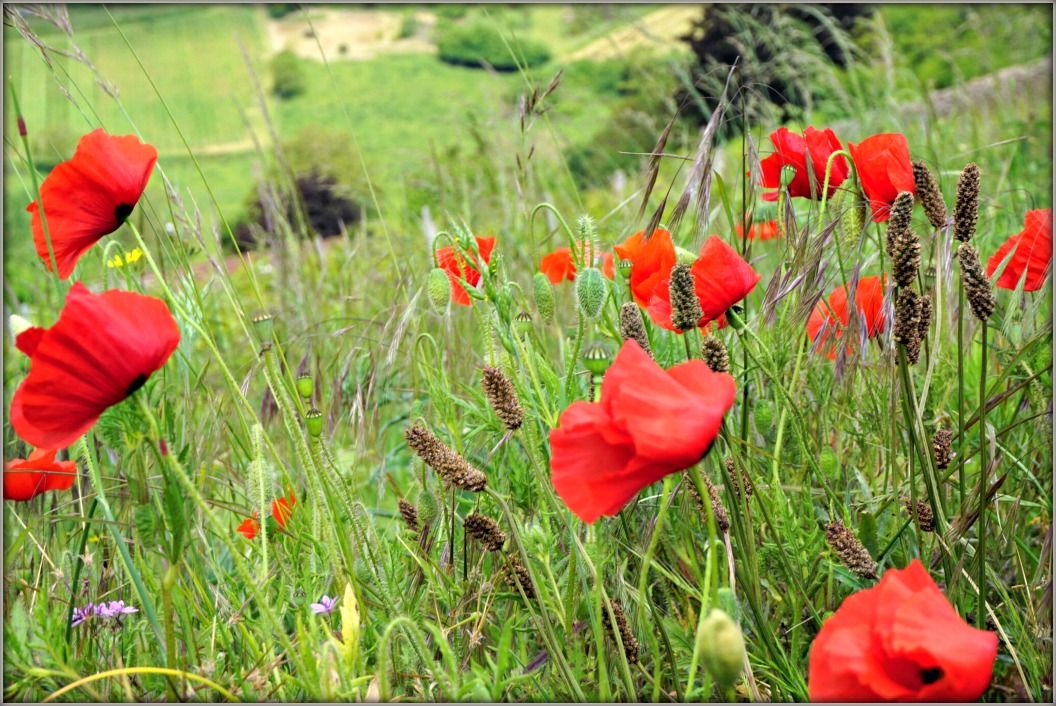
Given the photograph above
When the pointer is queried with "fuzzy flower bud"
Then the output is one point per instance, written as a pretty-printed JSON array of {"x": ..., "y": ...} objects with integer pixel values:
[
  {"x": 438, "y": 289},
  {"x": 721, "y": 648},
  {"x": 543, "y": 293},
  {"x": 590, "y": 291},
  {"x": 428, "y": 508}
]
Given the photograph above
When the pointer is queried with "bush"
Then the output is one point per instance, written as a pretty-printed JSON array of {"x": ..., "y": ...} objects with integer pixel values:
[
  {"x": 277, "y": 10},
  {"x": 287, "y": 76},
  {"x": 478, "y": 43},
  {"x": 409, "y": 25}
]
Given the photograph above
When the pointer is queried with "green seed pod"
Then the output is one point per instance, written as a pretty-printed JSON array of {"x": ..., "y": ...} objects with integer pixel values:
[
  {"x": 827, "y": 462},
  {"x": 145, "y": 520},
  {"x": 313, "y": 419},
  {"x": 764, "y": 417},
  {"x": 428, "y": 508},
  {"x": 624, "y": 268},
  {"x": 684, "y": 256},
  {"x": 727, "y": 602},
  {"x": 264, "y": 326},
  {"x": 438, "y": 289},
  {"x": 597, "y": 359},
  {"x": 543, "y": 293},
  {"x": 305, "y": 385},
  {"x": 591, "y": 292},
  {"x": 721, "y": 648},
  {"x": 788, "y": 173}
]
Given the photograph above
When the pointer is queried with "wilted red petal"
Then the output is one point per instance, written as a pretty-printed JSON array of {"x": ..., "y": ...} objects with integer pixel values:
[
  {"x": 91, "y": 195},
  {"x": 884, "y": 169},
  {"x": 651, "y": 261},
  {"x": 1033, "y": 253},
  {"x": 26, "y": 479},
  {"x": 102, "y": 348},
  {"x": 900, "y": 641}
]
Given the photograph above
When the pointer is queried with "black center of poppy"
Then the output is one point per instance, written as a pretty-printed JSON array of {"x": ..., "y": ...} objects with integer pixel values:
[
  {"x": 135, "y": 384},
  {"x": 930, "y": 676},
  {"x": 122, "y": 212}
]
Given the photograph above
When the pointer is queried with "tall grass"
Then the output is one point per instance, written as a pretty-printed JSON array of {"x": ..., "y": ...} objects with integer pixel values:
[{"x": 437, "y": 618}]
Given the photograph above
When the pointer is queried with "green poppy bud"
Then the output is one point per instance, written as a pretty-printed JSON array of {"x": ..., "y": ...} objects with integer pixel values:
[
  {"x": 721, "y": 648},
  {"x": 438, "y": 289},
  {"x": 428, "y": 508},
  {"x": 764, "y": 417},
  {"x": 305, "y": 385},
  {"x": 827, "y": 462},
  {"x": 597, "y": 359},
  {"x": 544, "y": 297},
  {"x": 726, "y": 601},
  {"x": 313, "y": 419},
  {"x": 788, "y": 173},
  {"x": 591, "y": 291}
]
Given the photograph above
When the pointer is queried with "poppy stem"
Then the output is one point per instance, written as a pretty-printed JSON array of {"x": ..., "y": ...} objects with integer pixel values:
[{"x": 828, "y": 173}]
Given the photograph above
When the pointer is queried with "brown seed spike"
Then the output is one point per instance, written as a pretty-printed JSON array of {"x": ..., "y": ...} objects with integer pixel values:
[
  {"x": 685, "y": 306},
  {"x": 930, "y": 195},
  {"x": 739, "y": 479},
  {"x": 941, "y": 446},
  {"x": 900, "y": 221},
  {"x": 631, "y": 648},
  {"x": 715, "y": 355},
  {"x": 925, "y": 517},
  {"x": 977, "y": 288},
  {"x": 632, "y": 326},
  {"x": 448, "y": 464},
  {"x": 409, "y": 513},
  {"x": 907, "y": 321},
  {"x": 520, "y": 576},
  {"x": 503, "y": 398},
  {"x": 722, "y": 520},
  {"x": 485, "y": 530},
  {"x": 966, "y": 206},
  {"x": 852, "y": 553}
]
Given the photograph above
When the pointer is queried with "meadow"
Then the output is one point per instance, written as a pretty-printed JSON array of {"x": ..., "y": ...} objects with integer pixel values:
[{"x": 437, "y": 457}]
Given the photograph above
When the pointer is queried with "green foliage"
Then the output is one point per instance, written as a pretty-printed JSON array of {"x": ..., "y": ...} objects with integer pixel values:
[
  {"x": 278, "y": 10},
  {"x": 478, "y": 43},
  {"x": 288, "y": 77}
]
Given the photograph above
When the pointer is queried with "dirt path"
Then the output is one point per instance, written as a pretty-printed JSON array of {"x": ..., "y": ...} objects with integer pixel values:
[
  {"x": 349, "y": 35},
  {"x": 659, "y": 28}
]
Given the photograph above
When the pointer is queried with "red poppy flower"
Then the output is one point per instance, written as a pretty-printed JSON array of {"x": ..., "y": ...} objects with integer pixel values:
[
  {"x": 26, "y": 479},
  {"x": 458, "y": 269},
  {"x": 281, "y": 510},
  {"x": 559, "y": 265},
  {"x": 833, "y": 317},
  {"x": 884, "y": 168},
  {"x": 900, "y": 641},
  {"x": 651, "y": 261},
  {"x": 1033, "y": 254},
  {"x": 91, "y": 195},
  {"x": 101, "y": 350},
  {"x": 650, "y": 422},
  {"x": 792, "y": 149},
  {"x": 721, "y": 278},
  {"x": 760, "y": 231}
]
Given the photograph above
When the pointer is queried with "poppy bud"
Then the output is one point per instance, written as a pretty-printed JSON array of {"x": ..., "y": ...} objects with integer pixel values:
[
  {"x": 827, "y": 462},
  {"x": 721, "y": 648},
  {"x": 597, "y": 359},
  {"x": 438, "y": 289},
  {"x": 263, "y": 324},
  {"x": 624, "y": 268},
  {"x": 586, "y": 227},
  {"x": 853, "y": 221},
  {"x": 543, "y": 293},
  {"x": 733, "y": 316},
  {"x": 590, "y": 292},
  {"x": 428, "y": 508},
  {"x": 788, "y": 173},
  {"x": 726, "y": 601},
  {"x": 313, "y": 419},
  {"x": 305, "y": 385},
  {"x": 523, "y": 324}
]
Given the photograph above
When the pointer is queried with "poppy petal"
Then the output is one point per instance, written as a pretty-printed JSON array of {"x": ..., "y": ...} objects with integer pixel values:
[{"x": 1032, "y": 257}]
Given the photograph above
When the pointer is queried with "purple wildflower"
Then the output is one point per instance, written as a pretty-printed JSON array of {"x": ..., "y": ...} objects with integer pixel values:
[
  {"x": 80, "y": 615},
  {"x": 324, "y": 606},
  {"x": 116, "y": 608}
]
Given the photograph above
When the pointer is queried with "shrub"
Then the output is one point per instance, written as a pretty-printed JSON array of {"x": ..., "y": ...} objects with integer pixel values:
[
  {"x": 281, "y": 9},
  {"x": 287, "y": 76},
  {"x": 409, "y": 25},
  {"x": 478, "y": 43}
]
